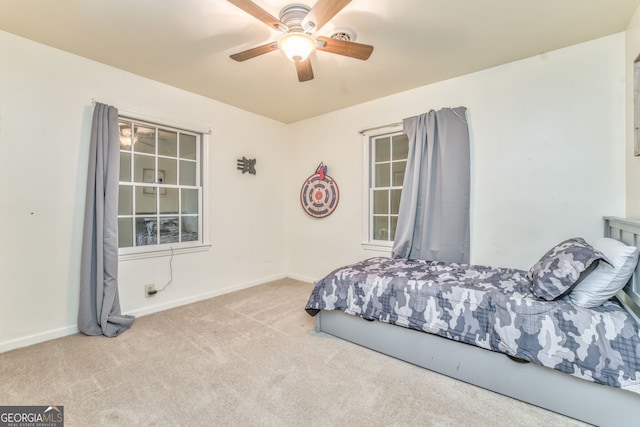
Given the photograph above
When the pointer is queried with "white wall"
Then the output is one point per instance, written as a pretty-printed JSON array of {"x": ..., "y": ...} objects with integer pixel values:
[
  {"x": 45, "y": 119},
  {"x": 547, "y": 143},
  {"x": 547, "y": 137},
  {"x": 632, "y": 162}
]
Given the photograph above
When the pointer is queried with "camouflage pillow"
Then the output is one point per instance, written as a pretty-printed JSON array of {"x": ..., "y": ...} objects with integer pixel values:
[{"x": 562, "y": 268}]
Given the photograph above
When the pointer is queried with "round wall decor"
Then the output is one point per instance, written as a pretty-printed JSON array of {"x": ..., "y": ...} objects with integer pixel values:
[{"x": 319, "y": 195}]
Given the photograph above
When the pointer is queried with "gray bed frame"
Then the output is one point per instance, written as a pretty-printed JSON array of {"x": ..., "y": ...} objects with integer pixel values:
[{"x": 547, "y": 388}]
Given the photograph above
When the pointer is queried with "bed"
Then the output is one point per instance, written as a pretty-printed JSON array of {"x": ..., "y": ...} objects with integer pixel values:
[{"x": 493, "y": 328}]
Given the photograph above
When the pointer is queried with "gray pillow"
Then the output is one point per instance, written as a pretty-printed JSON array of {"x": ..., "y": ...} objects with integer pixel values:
[{"x": 562, "y": 268}]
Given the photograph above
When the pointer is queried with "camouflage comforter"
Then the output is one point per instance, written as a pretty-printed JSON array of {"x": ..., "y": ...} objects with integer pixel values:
[{"x": 492, "y": 308}]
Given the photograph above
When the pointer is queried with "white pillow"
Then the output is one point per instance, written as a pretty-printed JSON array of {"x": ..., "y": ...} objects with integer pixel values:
[{"x": 606, "y": 280}]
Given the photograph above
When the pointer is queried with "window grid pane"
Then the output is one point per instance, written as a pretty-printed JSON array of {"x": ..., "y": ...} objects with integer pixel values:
[
  {"x": 126, "y": 135},
  {"x": 167, "y": 143},
  {"x": 144, "y": 139},
  {"x": 125, "y": 232}
]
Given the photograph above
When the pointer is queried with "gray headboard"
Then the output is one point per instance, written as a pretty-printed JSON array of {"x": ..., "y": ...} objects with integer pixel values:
[{"x": 628, "y": 232}]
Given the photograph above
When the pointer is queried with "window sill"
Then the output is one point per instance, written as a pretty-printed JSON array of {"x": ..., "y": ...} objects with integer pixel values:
[
  {"x": 160, "y": 252},
  {"x": 378, "y": 247}
]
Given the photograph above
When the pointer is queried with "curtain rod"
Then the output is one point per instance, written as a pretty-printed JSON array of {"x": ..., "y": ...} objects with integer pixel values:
[
  {"x": 363, "y": 131},
  {"x": 136, "y": 116}
]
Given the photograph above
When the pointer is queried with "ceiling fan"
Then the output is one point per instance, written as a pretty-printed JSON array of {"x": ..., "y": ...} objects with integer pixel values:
[{"x": 297, "y": 22}]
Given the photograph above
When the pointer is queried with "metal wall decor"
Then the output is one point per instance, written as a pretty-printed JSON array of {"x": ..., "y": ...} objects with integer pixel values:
[
  {"x": 319, "y": 195},
  {"x": 247, "y": 165}
]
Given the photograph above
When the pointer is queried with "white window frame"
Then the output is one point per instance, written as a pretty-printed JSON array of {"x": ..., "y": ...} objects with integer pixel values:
[
  {"x": 167, "y": 249},
  {"x": 367, "y": 139}
]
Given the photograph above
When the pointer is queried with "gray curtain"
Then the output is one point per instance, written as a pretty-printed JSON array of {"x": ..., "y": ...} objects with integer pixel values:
[
  {"x": 433, "y": 222},
  {"x": 99, "y": 312}
]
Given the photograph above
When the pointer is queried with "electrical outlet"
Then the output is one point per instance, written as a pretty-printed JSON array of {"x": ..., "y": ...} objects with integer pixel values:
[{"x": 149, "y": 290}]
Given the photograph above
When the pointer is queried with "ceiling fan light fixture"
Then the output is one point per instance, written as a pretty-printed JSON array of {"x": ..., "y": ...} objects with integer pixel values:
[{"x": 297, "y": 46}]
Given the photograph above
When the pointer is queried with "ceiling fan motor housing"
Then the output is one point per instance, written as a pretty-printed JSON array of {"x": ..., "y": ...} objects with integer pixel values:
[{"x": 293, "y": 15}]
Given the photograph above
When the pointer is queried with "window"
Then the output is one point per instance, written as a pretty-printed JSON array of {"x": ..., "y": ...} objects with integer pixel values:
[
  {"x": 160, "y": 192},
  {"x": 387, "y": 158}
]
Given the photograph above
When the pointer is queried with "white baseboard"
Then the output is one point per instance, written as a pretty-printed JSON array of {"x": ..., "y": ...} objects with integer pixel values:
[
  {"x": 38, "y": 338},
  {"x": 195, "y": 298},
  {"x": 73, "y": 329},
  {"x": 301, "y": 278}
]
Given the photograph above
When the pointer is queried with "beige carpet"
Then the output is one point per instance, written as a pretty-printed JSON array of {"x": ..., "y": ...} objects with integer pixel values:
[{"x": 250, "y": 358}]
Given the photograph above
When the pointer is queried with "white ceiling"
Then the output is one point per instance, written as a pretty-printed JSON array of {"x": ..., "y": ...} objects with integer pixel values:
[{"x": 187, "y": 43}]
